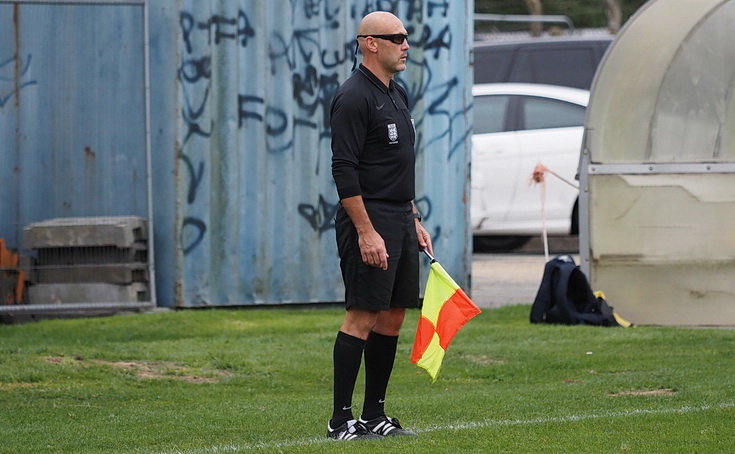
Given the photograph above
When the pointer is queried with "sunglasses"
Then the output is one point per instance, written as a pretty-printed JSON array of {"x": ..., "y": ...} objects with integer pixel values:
[{"x": 395, "y": 38}]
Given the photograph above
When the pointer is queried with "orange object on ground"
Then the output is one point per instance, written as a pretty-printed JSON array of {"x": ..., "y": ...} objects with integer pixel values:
[{"x": 13, "y": 277}]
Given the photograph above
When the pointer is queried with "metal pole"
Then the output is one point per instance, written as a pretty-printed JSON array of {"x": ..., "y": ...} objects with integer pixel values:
[{"x": 149, "y": 165}]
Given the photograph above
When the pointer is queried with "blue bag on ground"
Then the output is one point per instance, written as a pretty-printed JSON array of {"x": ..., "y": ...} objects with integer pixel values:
[{"x": 565, "y": 297}]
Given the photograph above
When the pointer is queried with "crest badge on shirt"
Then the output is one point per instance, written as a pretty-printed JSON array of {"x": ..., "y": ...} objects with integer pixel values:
[{"x": 392, "y": 133}]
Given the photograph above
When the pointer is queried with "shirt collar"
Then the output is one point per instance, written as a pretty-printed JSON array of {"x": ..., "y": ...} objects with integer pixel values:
[{"x": 374, "y": 79}]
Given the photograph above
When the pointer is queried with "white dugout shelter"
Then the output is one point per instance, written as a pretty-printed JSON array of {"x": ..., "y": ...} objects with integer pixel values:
[{"x": 657, "y": 171}]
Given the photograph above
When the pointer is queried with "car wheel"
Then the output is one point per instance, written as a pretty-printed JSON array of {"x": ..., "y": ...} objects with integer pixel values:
[
  {"x": 498, "y": 243},
  {"x": 575, "y": 218}
]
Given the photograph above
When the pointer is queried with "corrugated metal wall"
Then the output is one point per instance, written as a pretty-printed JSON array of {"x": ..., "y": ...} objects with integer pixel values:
[
  {"x": 72, "y": 113},
  {"x": 243, "y": 198},
  {"x": 73, "y": 135},
  {"x": 254, "y": 219}
]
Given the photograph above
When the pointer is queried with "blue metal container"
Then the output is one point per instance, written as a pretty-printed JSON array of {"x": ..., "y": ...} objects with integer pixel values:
[{"x": 241, "y": 194}]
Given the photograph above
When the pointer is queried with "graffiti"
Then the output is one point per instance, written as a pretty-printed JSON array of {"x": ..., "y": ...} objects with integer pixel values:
[
  {"x": 191, "y": 241},
  {"x": 221, "y": 28},
  {"x": 314, "y": 94},
  {"x": 309, "y": 66},
  {"x": 275, "y": 119},
  {"x": 8, "y": 70},
  {"x": 195, "y": 75},
  {"x": 435, "y": 42},
  {"x": 192, "y": 114},
  {"x": 441, "y": 92},
  {"x": 196, "y": 177},
  {"x": 423, "y": 205},
  {"x": 320, "y": 217}
]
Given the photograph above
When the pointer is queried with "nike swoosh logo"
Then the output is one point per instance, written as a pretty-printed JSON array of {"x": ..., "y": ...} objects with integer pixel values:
[
  {"x": 380, "y": 106},
  {"x": 381, "y": 401},
  {"x": 347, "y": 408}
]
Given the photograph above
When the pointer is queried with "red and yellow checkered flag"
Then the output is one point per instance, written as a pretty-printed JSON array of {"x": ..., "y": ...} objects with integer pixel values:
[{"x": 445, "y": 311}]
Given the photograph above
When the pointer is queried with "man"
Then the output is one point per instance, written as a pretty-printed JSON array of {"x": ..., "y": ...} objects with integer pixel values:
[{"x": 378, "y": 228}]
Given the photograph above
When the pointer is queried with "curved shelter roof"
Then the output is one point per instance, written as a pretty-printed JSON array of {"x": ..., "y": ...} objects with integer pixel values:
[
  {"x": 657, "y": 169},
  {"x": 665, "y": 91}
]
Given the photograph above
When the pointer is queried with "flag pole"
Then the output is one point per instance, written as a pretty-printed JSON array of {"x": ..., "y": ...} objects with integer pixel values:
[{"x": 431, "y": 257}]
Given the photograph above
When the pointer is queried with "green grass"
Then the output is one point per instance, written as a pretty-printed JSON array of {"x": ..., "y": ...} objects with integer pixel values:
[{"x": 259, "y": 380}]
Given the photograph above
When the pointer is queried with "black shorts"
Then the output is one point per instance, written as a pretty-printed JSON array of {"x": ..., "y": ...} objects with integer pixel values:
[{"x": 372, "y": 288}]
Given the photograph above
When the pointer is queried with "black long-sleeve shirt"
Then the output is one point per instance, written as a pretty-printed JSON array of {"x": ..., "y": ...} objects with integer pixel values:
[{"x": 373, "y": 140}]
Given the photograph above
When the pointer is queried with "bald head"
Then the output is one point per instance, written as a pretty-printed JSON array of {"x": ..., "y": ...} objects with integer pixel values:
[
  {"x": 381, "y": 37},
  {"x": 379, "y": 22}
]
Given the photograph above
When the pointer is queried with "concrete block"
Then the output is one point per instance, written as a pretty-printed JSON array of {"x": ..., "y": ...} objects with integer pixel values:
[
  {"x": 119, "y": 231},
  {"x": 87, "y": 293},
  {"x": 91, "y": 255},
  {"x": 120, "y": 274}
]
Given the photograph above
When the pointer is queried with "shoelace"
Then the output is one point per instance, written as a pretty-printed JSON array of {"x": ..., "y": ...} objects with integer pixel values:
[{"x": 359, "y": 427}]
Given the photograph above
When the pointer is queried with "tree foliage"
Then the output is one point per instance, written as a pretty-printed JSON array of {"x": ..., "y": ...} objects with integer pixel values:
[{"x": 583, "y": 13}]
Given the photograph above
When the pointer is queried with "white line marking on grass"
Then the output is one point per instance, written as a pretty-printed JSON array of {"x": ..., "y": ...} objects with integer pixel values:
[
  {"x": 572, "y": 418},
  {"x": 464, "y": 426}
]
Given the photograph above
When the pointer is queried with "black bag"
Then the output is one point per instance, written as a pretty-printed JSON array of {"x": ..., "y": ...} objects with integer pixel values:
[{"x": 565, "y": 297}]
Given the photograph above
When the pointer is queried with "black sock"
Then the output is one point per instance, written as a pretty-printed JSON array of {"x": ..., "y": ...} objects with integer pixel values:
[
  {"x": 347, "y": 358},
  {"x": 380, "y": 353}
]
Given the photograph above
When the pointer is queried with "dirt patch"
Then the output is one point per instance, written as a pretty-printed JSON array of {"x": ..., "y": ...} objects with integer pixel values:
[
  {"x": 152, "y": 370},
  {"x": 14, "y": 386},
  {"x": 484, "y": 360},
  {"x": 645, "y": 392},
  {"x": 241, "y": 324}
]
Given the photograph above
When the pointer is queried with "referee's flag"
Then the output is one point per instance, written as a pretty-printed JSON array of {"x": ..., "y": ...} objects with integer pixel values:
[{"x": 446, "y": 309}]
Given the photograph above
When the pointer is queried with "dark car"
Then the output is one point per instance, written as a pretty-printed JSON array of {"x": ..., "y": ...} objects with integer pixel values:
[{"x": 570, "y": 61}]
